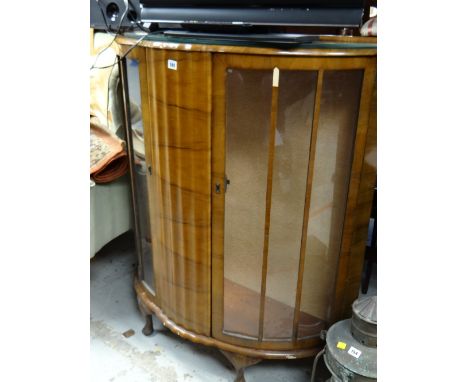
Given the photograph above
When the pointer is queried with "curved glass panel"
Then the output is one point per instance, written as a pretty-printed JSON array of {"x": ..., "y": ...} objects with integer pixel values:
[
  {"x": 248, "y": 103},
  {"x": 291, "y": 161},
  {"x": 339, "y": 107},
  {"x": 140, "y": 170}
]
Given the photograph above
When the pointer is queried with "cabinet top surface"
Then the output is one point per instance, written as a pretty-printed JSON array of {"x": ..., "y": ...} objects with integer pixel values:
[{"x": 323, "y": 46}]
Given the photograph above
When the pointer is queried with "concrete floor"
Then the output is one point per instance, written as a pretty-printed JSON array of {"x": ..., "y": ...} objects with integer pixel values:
[{"x": 162, "y": 357}]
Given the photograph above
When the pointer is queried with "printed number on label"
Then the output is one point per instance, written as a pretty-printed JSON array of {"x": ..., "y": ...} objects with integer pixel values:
[
  {"x": 354, "y": 352},
  {"x": 172, "y": 64}
]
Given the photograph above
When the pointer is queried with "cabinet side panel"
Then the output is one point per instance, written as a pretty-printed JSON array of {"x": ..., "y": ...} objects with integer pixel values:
[
  {"x": 179, "y": 92},
  {"x": 363, "y": 210},
  {"x": 352, "y": 253}
]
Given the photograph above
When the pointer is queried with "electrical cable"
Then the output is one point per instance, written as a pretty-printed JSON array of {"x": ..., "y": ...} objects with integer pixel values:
[
  {"x": 118, "y": 30},
  {"x": 125, "y": 55},
  {"x": 314, "y": 367},
  {"x": 109, "y": 30},
  {"x": 138, "y": 23},
  {"x": 117, "y": 60}
]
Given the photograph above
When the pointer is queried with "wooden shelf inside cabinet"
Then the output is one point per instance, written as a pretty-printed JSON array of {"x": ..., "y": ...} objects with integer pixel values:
[{"x": 251, "y": 170}]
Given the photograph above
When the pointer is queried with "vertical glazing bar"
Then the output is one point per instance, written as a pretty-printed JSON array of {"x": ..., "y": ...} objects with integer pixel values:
[
  {"x": 310, "y": 176},
  {"x": 271, "y": 156},
  {"x": 128, "y": 135}
]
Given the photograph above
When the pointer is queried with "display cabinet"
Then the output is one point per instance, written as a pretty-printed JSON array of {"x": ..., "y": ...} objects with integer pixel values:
[{"x": 253, "y": 170}]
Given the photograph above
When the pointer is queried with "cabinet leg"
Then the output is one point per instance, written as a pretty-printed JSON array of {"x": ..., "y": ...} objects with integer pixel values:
[
  {"x": 240, "y": 362},
  {"x": 148, "y": 328},
  {"x": 240, "y": 376}
]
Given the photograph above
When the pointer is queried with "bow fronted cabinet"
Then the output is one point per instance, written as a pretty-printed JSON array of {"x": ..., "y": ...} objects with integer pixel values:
[{"x": 253, "y": 170}]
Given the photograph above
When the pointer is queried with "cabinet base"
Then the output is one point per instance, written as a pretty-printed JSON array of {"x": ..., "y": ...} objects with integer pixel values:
[{"x": 147, "y": 306}]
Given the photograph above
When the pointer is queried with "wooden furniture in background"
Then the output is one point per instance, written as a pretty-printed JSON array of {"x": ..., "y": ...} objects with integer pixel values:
[{"x": 257, "y": 171}]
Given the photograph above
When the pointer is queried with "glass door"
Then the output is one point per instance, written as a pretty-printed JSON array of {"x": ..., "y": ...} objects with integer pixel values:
[{"x": 283, "y": 153}]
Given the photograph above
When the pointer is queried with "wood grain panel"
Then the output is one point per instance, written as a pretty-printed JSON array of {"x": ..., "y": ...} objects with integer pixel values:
[
  {"x": 179, "y": 114},
  {"x": 217, "y": 178}
]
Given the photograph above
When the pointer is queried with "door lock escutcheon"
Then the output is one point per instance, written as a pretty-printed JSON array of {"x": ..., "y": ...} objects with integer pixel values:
[{"x": 218, "y": 185}]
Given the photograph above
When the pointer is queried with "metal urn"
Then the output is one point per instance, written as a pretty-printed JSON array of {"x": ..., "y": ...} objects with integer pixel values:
[{"x": 350, "y": 353}]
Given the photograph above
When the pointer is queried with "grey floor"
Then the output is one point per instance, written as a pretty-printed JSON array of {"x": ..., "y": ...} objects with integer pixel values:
[{"x": 162, "y": 357}]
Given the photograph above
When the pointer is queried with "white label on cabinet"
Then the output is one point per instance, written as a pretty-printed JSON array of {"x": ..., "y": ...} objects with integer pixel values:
[
  {"x": 276, "y": 77},
  {"x": 354, "y": 352},
  {"x": 172, "y": 64}
]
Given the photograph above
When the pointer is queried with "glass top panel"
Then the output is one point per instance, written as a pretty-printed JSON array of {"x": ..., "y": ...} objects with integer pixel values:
[{"x": 158, "y": 37}]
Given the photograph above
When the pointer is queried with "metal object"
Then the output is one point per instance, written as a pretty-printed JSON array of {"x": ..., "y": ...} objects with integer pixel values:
[
  {"x": 364, "y": 321},
  {"x": 350, "y": 353},
  {"x": 218, "y": 185}
]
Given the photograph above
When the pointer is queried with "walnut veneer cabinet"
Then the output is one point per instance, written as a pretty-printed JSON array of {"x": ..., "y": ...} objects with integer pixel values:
[{"x": 253, "y": 172}]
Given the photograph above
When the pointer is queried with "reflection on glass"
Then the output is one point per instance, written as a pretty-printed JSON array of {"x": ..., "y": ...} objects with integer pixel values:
[
  {"x": 248, "y": 104},
  {"x": 332, "y": 167},
  {"x": 292, "y": 143},
  {"x": 140, "y": 170}
]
